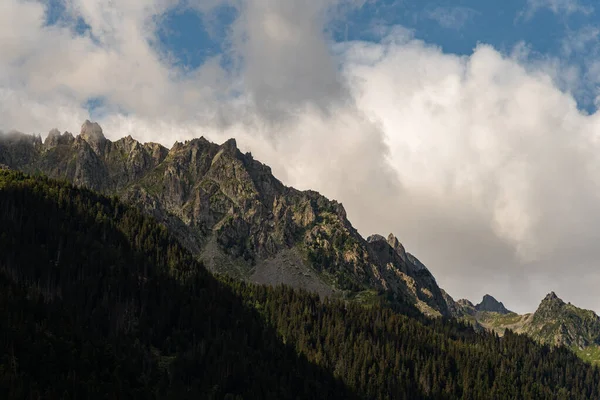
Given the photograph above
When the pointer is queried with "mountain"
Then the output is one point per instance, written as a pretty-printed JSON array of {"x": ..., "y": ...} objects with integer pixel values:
[
  {"x": 231, "y": 212},
  {"x": 490, "y": 304},
  {"x": 554, "y": 323},
  {"x": 559, "y": 323},
  {"x": 98, "y": 300}
]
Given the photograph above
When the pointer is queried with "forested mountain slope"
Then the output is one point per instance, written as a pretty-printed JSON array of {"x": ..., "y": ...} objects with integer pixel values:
[
  {"x": 231, "y": 212},
  {"x": 97, "y": 299},
  {"x": 554, "y": 323}
]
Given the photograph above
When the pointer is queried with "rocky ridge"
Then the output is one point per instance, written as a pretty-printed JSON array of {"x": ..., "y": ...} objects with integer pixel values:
[
  {"x": 229, "y": 210},
  {"x": 558, "y": 323},
  {"x": 490, "y": 304},
  {"x": 554, "y": 323}
]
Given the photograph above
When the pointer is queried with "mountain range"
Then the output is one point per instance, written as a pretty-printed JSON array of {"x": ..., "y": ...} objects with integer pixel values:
[
  {"x": 234, "y": 216},
  {"x": 98, "y": 300},
  {"x": 231, "y": 212},
  {"x": 554, "y": 323}
]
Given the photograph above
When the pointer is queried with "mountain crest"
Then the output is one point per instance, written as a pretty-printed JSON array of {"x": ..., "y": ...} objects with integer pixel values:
[
  {"x": 551, "y": 304},
  {"x": 490, "y": 304},
  {"x": 230, "y": 144},
  {"x": 552, "y": 298},
  {"x": 232, "y": 213},
  {"x": 397, "y": 246},
  {"x": 55, "y": 138},
  {"x": 465, "y": 303},
  {"x": 91, "y": 132},
  {"x": 556, "y": 322}
]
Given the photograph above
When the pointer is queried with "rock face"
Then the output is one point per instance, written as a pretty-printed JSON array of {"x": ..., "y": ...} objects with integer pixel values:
[
  {"x": 556, "y": 322},
  {"x": 408, "y": 274},
  {"x": 230, "y": 210},
  {"x": 490, "y": 304}
]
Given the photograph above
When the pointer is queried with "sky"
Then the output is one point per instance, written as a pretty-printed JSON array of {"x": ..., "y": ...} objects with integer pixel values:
[{"x": 469, "y": 129}]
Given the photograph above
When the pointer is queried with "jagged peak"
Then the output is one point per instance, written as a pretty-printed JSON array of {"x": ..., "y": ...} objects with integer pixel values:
[
  {"x": 54, "y": 133},
  {"x": 229, "y": 145},
  {"x": 489, "y": 303},
  {"x": 54, "y": 138},
  {"x": 551, "y": 297},
  {"x": 397, "y": 246},
  {"x": 375, "y": 238},
  {"x": 193, "y": 143},
  {"x": 393, "y": 240},
  {"x": 550, "y": 300},
  {"x": 91, "y": 132},
  {"x": 465, "y": 303}
]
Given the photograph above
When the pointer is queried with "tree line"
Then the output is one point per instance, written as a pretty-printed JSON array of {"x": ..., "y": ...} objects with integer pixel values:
[{"x": 98, "y": 300}]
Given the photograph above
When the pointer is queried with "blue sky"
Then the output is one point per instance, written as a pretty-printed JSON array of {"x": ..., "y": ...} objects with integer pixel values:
[
  {"x": 561, "y": 29},
  {"x": 547, "y": 28},
  {"x": 467, "y": 128}
]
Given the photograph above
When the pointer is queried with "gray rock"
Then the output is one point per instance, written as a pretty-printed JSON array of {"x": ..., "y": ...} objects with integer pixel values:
[
  {"x": 229, "y": 210},
  {"x": 492, "y": 305}
]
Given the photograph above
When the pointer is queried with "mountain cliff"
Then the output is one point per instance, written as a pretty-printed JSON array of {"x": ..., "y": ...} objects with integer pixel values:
[{"x": 231, "y": 212}]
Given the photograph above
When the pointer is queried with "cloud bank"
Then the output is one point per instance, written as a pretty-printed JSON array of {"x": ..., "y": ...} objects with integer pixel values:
[{"x": 482, "y": 165}]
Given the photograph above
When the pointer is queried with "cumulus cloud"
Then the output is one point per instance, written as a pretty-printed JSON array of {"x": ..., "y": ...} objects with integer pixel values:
[
  {"x": 482, "y": 164},
  {"x": 499, "y": 149}
]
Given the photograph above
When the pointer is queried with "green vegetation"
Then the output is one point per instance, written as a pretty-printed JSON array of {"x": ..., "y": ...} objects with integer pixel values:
[
  {"x": 496, "y": 320},
  {"x": 590, "y": 354},
  {"x": 99, "y": 301}
]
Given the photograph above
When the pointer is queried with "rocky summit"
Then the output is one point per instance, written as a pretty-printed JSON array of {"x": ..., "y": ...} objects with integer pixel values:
[
  {"x": 492, "y": 305},
  {"x": 554, "y": 322},
  {"x": 559, "y": 323},
  {"x": 233, "y": 214}
]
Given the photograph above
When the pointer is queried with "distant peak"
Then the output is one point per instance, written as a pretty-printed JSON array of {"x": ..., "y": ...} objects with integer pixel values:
[
  {"x": 54, "y": 133},
  {"x": 54, "y": 138},
  {"x": 490, "y": 304},
  {"x": 552, "y": 298},
  {"x": 92, "y": 132}
]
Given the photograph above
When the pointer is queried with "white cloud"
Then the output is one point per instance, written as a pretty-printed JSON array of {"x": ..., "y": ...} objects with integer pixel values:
[
  {"x": 561, "y": 7},
  {"x": 580, "y": 40},
  {"x": 481, "y": 164},
  {"x": 451, "y": 17}
]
